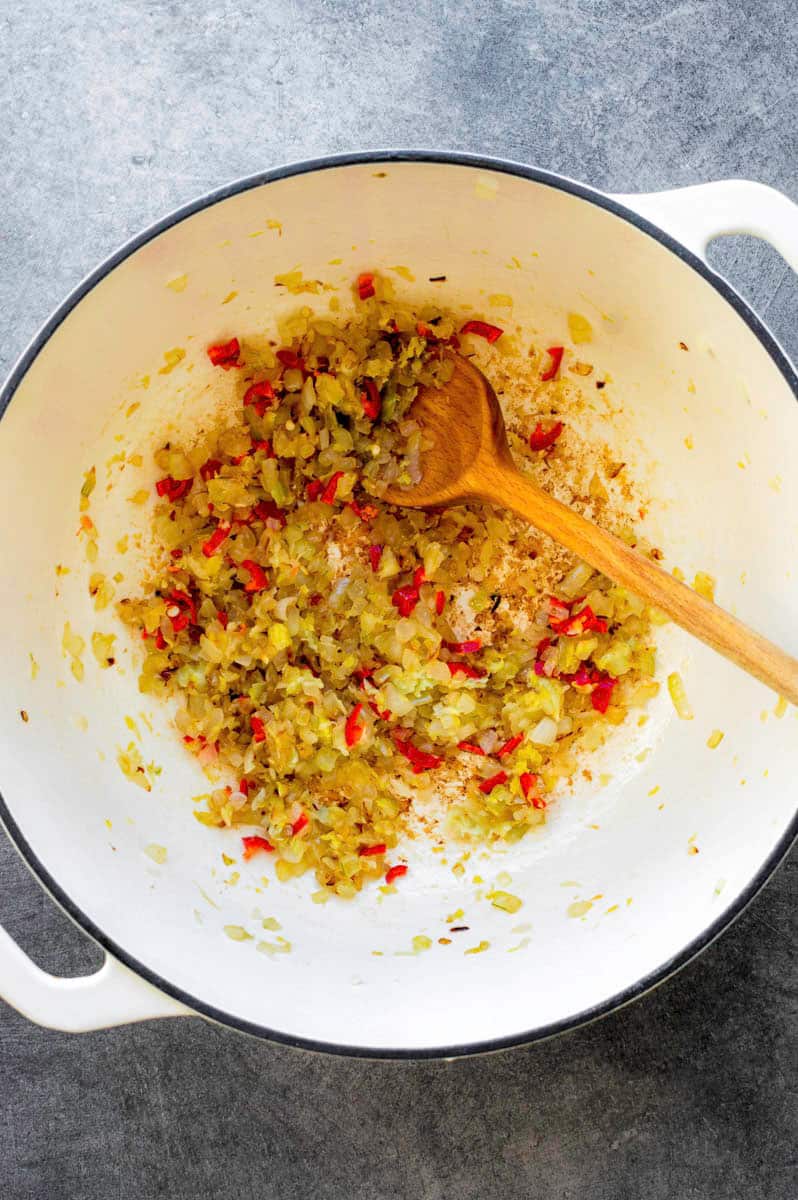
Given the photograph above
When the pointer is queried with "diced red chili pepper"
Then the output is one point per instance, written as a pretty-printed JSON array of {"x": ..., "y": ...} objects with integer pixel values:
[
  {"x": 559, "y": 610},
  {"x": 160, "y": 640},
  {"x": 361, "y": 673},
  {"x": 511, "y": 744},
  {"x": 254, "y": 845},
  {"x": 225, "y": 354},
  {"x": 243, "y": 787},
  {"x": 370, "y": 851},
  {"x": 173, "y": 489},
  {"x": 300, "y": 823},
  {"x": 541, "y": 439},
  {"x": 259, "y": 396},
  {"x": 440, "y": 601},
  {"x": 365, "y": 285},
  {"x": 290, "y": 359},
  {"x": 601, "y": 697},
  {"x": 315, "y": 599},
  {"x": 527, "y": 781},
  {"x": 540, "y": 667},
  {"x": 331, "y": 487},
  {"x": 180, "y": 622},
  {"x": 375, "y": 554},
  {"x": 529, "y": 784},
  {"x": 420, "y": 760},
  {"x": 383, "y": 713},
  {"x": 583, "y": 677},
  {"x": 258, "y": 729},
  {"x": 265, "y": 447},
  {"x": 210, "y": 469},
  {"x": 488, "y": 785},
  {"x": 176, "y": 553},
  {"x": 366, "y": 512},
  {"x": 371, "y": 399},
  {"x": 222, "y": 618},
  {"x": 187, "y": 614},
  {"x": 257, "y": 576},
  {"x": 459, "y": 668},
  {"x": 469, "y": 647},
  {"x": 395, "y": 873},
  {"x": 268, "y": 510},
  {"x": 583, "y": 621},
  {"x": 353, "y": 730},
  {"x": 491, "y": 333},
  {"x": 555, "y": 354},
  {"x": 405, "y": 599},
  {"x": 213, "y": 543},
  {"x": 471, "y": 748},
  {"x": 314, "y": 489},
  {"x": 188, "y": 739}
]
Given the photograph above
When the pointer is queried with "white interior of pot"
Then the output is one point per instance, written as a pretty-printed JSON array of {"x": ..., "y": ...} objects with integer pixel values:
[{"x": 728, "y": 505}]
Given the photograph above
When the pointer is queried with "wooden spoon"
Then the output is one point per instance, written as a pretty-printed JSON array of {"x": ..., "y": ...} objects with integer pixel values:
[{"x": 469, "y": 460}]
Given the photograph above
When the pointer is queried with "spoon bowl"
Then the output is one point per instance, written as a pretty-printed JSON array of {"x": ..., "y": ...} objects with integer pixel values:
[
  {"x": 464, "y": 431},
  {"x": 466, "y": 458}
]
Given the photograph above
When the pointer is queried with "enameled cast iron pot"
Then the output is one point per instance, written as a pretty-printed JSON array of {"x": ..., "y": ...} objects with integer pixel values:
[{"x": 716, "y": 428}]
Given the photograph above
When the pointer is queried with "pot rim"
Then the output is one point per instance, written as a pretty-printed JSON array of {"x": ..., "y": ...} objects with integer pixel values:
[{"x": 307, "y": 166}]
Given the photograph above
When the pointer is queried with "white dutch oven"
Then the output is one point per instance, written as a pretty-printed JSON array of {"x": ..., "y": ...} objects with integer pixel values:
[{"x": 636, "y": 267}]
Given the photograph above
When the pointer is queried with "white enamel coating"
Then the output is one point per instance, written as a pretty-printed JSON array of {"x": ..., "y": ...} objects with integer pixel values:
[{"x": 624, "y": 846}]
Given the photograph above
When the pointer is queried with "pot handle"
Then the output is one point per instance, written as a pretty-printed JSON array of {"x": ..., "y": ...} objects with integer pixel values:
[
  {"x": 695, "y": 215},
  {"x": 114, "y": 995}
]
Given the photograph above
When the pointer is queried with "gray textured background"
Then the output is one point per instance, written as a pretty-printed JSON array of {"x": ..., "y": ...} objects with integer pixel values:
[{"x": 113, "y": 113}]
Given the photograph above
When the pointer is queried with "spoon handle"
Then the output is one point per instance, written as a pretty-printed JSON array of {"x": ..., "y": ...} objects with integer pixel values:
[{"x": 503, "y": 485}]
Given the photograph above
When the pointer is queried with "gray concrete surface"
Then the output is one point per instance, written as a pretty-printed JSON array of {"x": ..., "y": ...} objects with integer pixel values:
[{"x": 114, "y": 112}]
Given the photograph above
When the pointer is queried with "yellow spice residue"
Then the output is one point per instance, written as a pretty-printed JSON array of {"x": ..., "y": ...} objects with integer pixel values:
[
  {"x": 505, "y": 901},
  {"x": 171, "y": 358},
  {"x": 704, "y": 584},
  {"x": 486, "y": 188},
  {"x": 579, "y": 328},
  {"x": 478, "y": 949},
  {"x": 280, "y": 946},
  {"x": 237, "y": 933}
]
